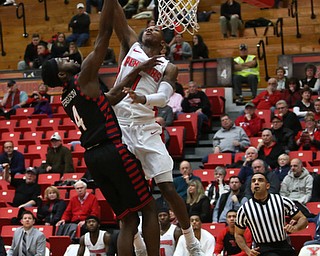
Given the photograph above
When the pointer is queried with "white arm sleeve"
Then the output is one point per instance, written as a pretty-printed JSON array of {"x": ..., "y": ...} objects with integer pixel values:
[{"x": 161, "y": 97}]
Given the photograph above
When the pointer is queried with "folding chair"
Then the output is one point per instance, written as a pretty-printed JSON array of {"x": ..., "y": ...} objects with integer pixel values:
[
  {"x": 206, "y": 176},
  {"x": 215, "y": 160},
  {"x": 217, "y": 100},
  {"x": 306, "y": 156},
  {"x": 176, "y": 143},
  {"x": 190, "y": 122}
]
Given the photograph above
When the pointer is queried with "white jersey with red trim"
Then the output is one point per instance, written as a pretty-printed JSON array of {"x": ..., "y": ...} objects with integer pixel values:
[
  {"x": 99, "y": 248},
  {"x": 147, "y": 83},
  {"x": 167, "y": 242}
]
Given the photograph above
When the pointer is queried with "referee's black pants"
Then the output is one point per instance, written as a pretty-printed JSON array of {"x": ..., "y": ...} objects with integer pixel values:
[{"x": 276, "y": 249}]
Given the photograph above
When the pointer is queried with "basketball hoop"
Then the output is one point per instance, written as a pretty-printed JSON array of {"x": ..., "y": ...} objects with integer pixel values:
[{"x": 178, "y": 15}]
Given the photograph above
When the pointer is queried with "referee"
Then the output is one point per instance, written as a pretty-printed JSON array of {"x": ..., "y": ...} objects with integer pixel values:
[{"x": 264, "y": 214}]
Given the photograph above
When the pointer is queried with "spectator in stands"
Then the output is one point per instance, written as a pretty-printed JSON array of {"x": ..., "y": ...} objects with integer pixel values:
[
  {"x": 51, "y": 209},
  {"x": 268, "y": 98},
  {"x": 290, "y": 119},
  {"x": 303, "y": 106},
  {"x": 310, "y": 80},
  {"x": 80, "y": 27},
  {"x": 246, "y": 169},
  {"x": 282, "y": 80},
  {"x": 96, "y": 3},
  {"x": 12, "y": 99},
  {"x": 30, "y": 53},
  {"x": 259, "y": 165},
  {"x": 218, "y": 186},
  {"x": 207, "y": 241},
  {"x": 226, "y": 241},
  {"x": 13, "y": 158},
  {"x": 80, "y": 206},
  {"x": 74, "y": 53},
  {"x": 246, "y": 69},
  {"x": 284, "y": 166},
  {"x": 43, "y": 55},
  {"x": 96, "y": 240},
  {"x": 181, "y": 182},
  {"x": 40, "y": 101},
  {"x": 283, "y": 136},
  {"x": 317, "y": 109},
  {"x": 59, "y": 158},
  {"x": 199, "y": 48},
  {"x": 230, "y": 18},
  {"x": 292, "y": 94},
  {"x": 169, "y": 233},
  {"x": 180, "y": 50},
  {"x": 297, "y": 185},
  {"x": 196, "y": 101},
  {"x": 229, "y": 201},
  {"x": 269, "y": 149},
  {"x": 60, "y": 46},
  {"x": 197, "y": 202},
  {"x": 175, "y": 102},
  {"x": 27, "y": 190},
  {"x": 249, "y": 121},
  {"x": 229, "y": 138},
  {"x": 27, "y": 240},
  {"x": 309, "y": 138}
]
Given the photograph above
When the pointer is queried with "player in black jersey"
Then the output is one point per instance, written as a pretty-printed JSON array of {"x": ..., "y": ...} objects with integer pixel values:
[{"x": 115, "y": 170}]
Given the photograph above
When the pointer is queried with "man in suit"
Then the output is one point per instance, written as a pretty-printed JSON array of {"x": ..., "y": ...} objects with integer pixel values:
[{"x": 27, "y": 240}]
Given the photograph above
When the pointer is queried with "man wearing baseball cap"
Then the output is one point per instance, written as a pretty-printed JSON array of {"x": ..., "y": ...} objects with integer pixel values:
[
  {"x": 249, "y": 121},
  {"x": 80, "y": 26},
  {"x": 59, "y": 158},
  {"x": 246, "y": 71}
]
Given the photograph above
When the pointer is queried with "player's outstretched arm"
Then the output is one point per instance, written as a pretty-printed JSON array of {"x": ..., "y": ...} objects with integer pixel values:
[
  {"x": 88, "y": 78},
  {"x": 82, "y": 247}
]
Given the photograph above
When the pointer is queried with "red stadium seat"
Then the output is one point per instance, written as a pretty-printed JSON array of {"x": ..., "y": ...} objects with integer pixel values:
[
  {"x": 49, "y": 124},
  {"x": 6, "y": 196},
  {"x": 107, "y": 214},
  {"x": 190, "y": 122},
  {"x": 59, "y": 244},
  {"x": 254, "y": 141},
  {"x": 22, "y": 113},
  {"x": 215, "y": 160},
  {"x": 26, "y": 125},
  {"x": 40, "y": 150},
  {"x": 214, "y": 228},
  {"x": 72, "y": 176},
  {"x": 12, "y": 136},
  {"x": 48, "y": 178},
  {"x": 305, "y": 156},
  {"x": 67, "y": 125},
  {"x": 31, "y": 138},
  {"x": 6, "y": 214},
  {"x": 313, "y": 207},
  {"x": 73, "y": 135},
  {"x": 7, "y": 125},
  {"x": 264, "y": 114},
  {"x": 217, "y": 100},
  {"x": 176, "y": 143},
  {"x": 239, "y": 156},
  {"x": 7, "y": 232},
  {"x": 206, "y": 176},
  {"x": 298, "y": 240},
  {"x": 231, "y": 172}
]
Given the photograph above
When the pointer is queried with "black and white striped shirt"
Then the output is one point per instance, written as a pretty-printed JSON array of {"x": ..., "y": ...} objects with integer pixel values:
[{"x": 266, "y": 220}]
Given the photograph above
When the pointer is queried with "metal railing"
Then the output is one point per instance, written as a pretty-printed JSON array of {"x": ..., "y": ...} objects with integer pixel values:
[
  {"x": 263, "y": 57},
  {"x": 3, "y": 53},
  {"x": 293, "y": 12},
  {"x": 23, "y": 17},
  {"x": 279, "y": 32},
  {"x": 46, "y": 17},
  {"x": 313, "y": 16}
]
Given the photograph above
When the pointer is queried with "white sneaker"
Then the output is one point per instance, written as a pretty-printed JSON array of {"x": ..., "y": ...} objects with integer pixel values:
[{"x": 194, "y": 249}]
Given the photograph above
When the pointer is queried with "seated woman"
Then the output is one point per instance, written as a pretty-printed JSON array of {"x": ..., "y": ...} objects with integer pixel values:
[
  {"x": 304, "y": 105},
  {"x": 197, "y": 201},
  {"x": 51, "y": 209},
  {"x": 293, "y": 93},
  {"x": 309, "y": 138},
  {"x": 74, "y": 53},
  {"x": 59, "y": 46}
]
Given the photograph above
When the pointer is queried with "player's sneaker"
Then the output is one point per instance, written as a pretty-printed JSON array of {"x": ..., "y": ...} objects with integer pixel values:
[{"x": 194, "y": 249}]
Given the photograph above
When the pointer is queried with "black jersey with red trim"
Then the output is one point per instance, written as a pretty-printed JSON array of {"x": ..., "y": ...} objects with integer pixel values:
[{"x": 93, "y": 116}]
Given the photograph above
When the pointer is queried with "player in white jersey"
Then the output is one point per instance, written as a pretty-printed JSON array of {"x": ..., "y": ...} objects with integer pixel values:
[
  {"x": 96, "y": 240},
  {"x": 169, "y": 233},
  {"x": 140, "y": 131}
]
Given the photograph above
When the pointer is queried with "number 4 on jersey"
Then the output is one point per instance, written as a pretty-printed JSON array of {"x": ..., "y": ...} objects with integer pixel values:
[{"x": 78, "y": 119}]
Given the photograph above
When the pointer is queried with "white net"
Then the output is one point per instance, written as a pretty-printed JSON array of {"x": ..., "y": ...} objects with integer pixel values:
[{"x": 179, "y": 15}]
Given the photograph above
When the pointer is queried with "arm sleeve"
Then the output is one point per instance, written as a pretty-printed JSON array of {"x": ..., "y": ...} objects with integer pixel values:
[
  {"x": 41, "y": 245},
  {"x": 219, "y": 242},
  {"x": 60, "y": 209},
  {"x": 161, "y": 98}
]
